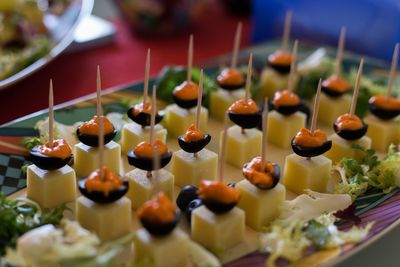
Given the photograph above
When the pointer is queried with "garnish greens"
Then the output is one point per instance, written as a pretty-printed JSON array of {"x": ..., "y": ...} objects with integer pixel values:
[{"x": 357, "y": 176}]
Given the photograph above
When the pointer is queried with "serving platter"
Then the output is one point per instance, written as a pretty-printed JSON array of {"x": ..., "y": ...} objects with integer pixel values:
[{"x": 376, "y": 206}]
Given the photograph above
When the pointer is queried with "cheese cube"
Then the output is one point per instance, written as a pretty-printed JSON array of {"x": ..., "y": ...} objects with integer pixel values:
[
  {"x": 241, "y": 148},
  {"x": 331, "y": 108},
  {"x": 178, "y": 119},
  {"x": 218, "y": 232},
  {"x": 108, "y": 221},
  {"x": 142, "y": 188},
  {"x": 260, "y": 206},
  {"x": 272, "y": 81},
  {"x": 87, "y": 158},
  {"x": 281, "y": 129},
  {"x": 383, "y": 132},
  {"x": 191, "y": 170},
  {"x": 343, "y": 148},
  {"x": 51, "y": 188},
  {"x": 167, "y": 251},
  {"x": 133, "y": 133},
  {"x": 221, "y": 100},
  {"x": 300, "y": 173}
]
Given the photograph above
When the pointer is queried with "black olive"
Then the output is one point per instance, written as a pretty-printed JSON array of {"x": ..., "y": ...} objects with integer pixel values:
[
  {"x": 332, "y": 92},
  {"x": 384, "y": 114},
  {"x": 288, "y": 109},
  {"x": 143, "y": 118},
  {"x": 246, "y": 121},
  {"x": 310, "y": 151},
  {"x": 351, "y": 134},
  {"x": 218, "y": 207},
  {"x": 93, "y": 140},
  {"x": 231, "y": 87},
  {"x": 276, "y": 175},
  {"x": 194, "y": 204},
  {"x": 99, "y": 196},
  {"x": 186, "y": 104},
  {"x": 282, "y": 69},
  {"x": 187, "y": 194},
  {"x": 160, "y": 229},
  {"x": 45, "y": 162},
  {"x": 194, "y": 147},
  {"x": 147, "y": 164}
]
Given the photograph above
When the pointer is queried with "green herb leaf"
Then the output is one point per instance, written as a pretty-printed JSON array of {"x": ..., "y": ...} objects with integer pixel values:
[{"x": 317, "y": 233}]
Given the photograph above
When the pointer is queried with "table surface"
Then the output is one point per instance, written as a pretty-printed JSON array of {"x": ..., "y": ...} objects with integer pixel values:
[{"x": 123, "y": 62}]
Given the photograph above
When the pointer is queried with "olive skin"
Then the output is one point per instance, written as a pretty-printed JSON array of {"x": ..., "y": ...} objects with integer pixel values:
[
  {"x": 99, "y": 197},
  {"x": 288, "y": 110},
  {"x": 282, "y": 69},
  {"x": 194, "y": 147},
  {"x": 246, "y": 121},
  {"x": 45, "y": 162},
  {"x": 309, "y": 152},
  {"x": 187, "y": 194},
  {"x": 229, "y": 87},
  {"x": 147, "y": 164},
  {"x": 93, "y": 140},
  {"x": 160, "y": 229},
  {"x": 186, "y": 104},
  {"x": 276, "y": 175},
  {"x": 332, "y": 92},
  {"x": 351, "y": 134},
  {"x": 384, "y": 114},
  {"x": 218, "y": 207},
  {"x": 144, "y": 118},
  {"x": 194, "y": 204}
]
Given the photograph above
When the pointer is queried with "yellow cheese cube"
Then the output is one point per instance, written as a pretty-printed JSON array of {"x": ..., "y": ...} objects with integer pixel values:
[
  {"x": 142, "y": 188},
  {"x": 281, "y": 129},
  {"x": 191, "y": 170},
  {"x": 133, "y": 133},
  {"x": 343, "y": 148},
  {"x": 87, "y": 158},
  {"x": 241, "y": 148},
  {"x": 168, "y": 251},
  {"x": 221, "y": 100},
  {"x": 51, "y": 188},
  {"x": 178, "y": 119},
  {"x": 300, "y": 173},
  {"x": 331, "y": 108},
  {"x": 271, "y": 82},
  {"x": 383, "y": 132},
  {"x": 260, "y": 206},
  {"x": 218, "y": 232},
  {"x": 108, "y": 221}
]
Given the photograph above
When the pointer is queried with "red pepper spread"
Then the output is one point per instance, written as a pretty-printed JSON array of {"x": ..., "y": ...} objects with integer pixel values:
[
  {"x": 259, "y": 175},
  {"x": 110, "y": 181},
  {"x": 336, "y": 83},
  {"x": 193, "y": 135},
  {"x": 348, "y": 122},
  {"x": 230, "y": 77},
  {"x": 218, "y": 192},
  {"x": 186, "y": 91},
  {"x": 307, "y": 139},
  {"x": 159, "y": 209},
  {"x": 92, "y": 127},
  {"x": 384, "y": 102},
  {"x": 60, "y": 149},
  {"x": 285, "y": 98},
  {"x": 139, "y": 108},
  {"x": 242, "y": 107},
  {"x": 146, "y": 150},
  {"x": 280, "y": 58}
]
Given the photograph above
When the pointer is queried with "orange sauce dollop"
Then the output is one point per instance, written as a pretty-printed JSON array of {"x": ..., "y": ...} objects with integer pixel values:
[
  {"x": 146, "y": 150},
  {"x": 92, "y": 127},
  {"x": 60, "y": 149},
  {"x": 307, "y": 139},
  {"x": 347, "y": 122},
  {"x": 218, "y": 192},
  {"x": 285, "y": 98},
  {"x": 110, "y": 181},
  {"x": 336, "y": 83},
  {"x": 186, "y": 91},
  {"x": 229, "y": 76},
  {"x": 159, "y": 209},
  {"x": 242, "y": 107},
  {"x": 384, "y": 102},
  {"x": 139, "y": 108},
  {"x": 193, "y": 135},
  {"x": 280, "y": 58},
  {"x": 257, "y": 175}
]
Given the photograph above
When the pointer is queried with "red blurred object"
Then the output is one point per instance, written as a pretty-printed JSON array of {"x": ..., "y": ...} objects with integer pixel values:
[{"x": 122, "y": 62}]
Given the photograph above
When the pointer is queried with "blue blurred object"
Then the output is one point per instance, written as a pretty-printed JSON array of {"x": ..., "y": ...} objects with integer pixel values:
[{"x": 373, "y": 27}]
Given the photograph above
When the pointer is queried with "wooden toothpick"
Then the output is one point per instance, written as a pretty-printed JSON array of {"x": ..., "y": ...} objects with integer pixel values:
[
  {"x": 286, "y": 30},
  {"x": 316, "y": 108},
  {"x": 146, "y": 78},
  {"x": 199, "y": 100},
  {"x": 264, "y": 131},
  {"x": 222, "y": 150},
  {"x": 248, "y": 78},
  {"x": 98, "y": 92},
  {"x": 293, "y": 67},
  {"x": 393, "y": 69},
  {"x": 190, "y": 59},
  {"x": 101, "y": 143},
  {"x": 340, "y": 50},
  {"x": 51, "y": 115},
  {"x": 356, "y": 88},
  {"x": 236, "y": 45},
  {"x": 153, "y": 115}
]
